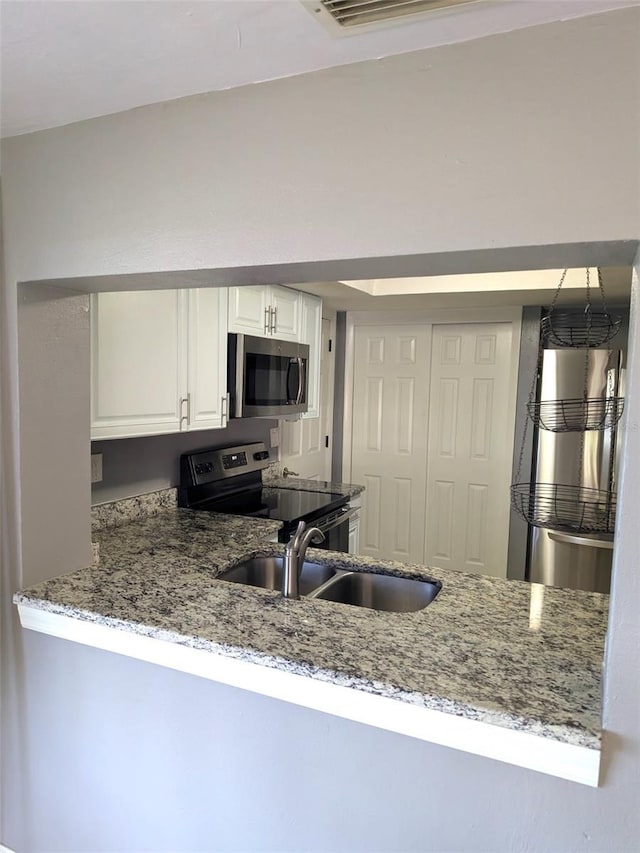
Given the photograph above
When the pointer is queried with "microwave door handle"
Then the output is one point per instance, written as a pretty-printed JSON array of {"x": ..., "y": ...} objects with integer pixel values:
[
  {"x": 290, "y": 399},
  {"x": 301, "y": 380}
]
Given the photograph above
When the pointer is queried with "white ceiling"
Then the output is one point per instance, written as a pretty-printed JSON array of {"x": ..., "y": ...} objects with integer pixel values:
[
  {"x": 67, "y": 60},
  {"x": 496, "y": 290}
]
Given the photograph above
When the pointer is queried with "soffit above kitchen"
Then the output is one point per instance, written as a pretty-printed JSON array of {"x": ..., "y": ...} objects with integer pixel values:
[
  {"x": 487, "y": 290},
  {"x": 64, "y": 62}
]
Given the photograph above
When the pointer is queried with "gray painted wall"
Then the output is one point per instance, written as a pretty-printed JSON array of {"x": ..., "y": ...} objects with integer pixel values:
[
  {"x": 104, "y": 753},
  {"x": 133, "y": 466}
]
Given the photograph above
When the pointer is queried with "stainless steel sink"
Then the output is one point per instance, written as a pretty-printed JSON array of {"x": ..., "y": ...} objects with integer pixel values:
[
  {"x": 361, "y": 589},
  {"x": 266, "y": 572},
  {"x": 379, "y": 592}
]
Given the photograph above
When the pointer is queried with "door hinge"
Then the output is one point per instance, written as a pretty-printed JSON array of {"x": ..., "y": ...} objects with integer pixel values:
[
  {"x": 326, "y": 441},
  {"x": 330, "y": 344}
]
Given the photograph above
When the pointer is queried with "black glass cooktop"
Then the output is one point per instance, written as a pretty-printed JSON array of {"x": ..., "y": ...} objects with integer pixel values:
[{"x": 286, "y": 505}]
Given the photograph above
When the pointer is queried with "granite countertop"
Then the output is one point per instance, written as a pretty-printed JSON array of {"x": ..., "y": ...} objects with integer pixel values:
[
  {"x": 516, "y": 655},
  {"x": 350, "y": 490}
]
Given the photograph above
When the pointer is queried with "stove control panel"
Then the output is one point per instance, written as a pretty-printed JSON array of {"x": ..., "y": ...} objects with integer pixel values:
[
  {"x": 207, "y": 466},
  {"x": 234, "y": 460}
]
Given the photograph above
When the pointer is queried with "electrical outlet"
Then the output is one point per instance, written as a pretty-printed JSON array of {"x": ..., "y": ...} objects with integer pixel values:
[
  {"x": 96, "y": 467},
  {"x": 274, "y": 436}
]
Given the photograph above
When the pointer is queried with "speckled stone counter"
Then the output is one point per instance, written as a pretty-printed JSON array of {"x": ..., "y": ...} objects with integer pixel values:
[
  {"x": 518, "y": 656},
  {"x": 350, "y": 490},
  {"x": 116, "y": 513}
]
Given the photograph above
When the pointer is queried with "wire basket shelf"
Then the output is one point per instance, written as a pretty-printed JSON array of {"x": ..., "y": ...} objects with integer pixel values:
[
  {"x": 586, "y": 328},
  {"x": 569, "y": 508},
  {"x": 577, "y": 415}
]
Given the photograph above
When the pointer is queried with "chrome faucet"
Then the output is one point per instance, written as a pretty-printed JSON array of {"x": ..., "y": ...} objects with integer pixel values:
[{"x": 294, "y": 553}]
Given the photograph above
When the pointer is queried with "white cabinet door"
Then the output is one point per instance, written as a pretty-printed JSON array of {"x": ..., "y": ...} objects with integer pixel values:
[
  {"x": 354, "y": 537},
  {"x": 285, "y": 305},
  {"x": 354, "y": 527},
  {"x": 158, "y": 362},
  {"x": 265, "y": 312},
  {"x": 311, "y": 333},
  {"x": 138, "y": 364},
  {"x": 207, "y": 361},
  {"x": 249, "y": 310}
]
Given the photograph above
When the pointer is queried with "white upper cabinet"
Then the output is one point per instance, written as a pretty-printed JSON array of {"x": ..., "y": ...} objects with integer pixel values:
[
  {"x": 158, "y": 362},
  {"x": 249, "y": 310},
  {"x": 137, "y": 363},
  {"x": 280, "y": 312},
  {"x": 207, "y": 359},
  {"x": 265, "y": 312},
  {"x": 285, "y": 313},
  {"x": 311, "y": 333}
]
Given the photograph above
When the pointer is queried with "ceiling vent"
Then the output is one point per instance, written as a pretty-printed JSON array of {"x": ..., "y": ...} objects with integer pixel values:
[{"x": 343, "y": 17}]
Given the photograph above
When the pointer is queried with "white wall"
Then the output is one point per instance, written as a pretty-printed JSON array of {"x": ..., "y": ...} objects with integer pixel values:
[{"x": 527, "y": 139}]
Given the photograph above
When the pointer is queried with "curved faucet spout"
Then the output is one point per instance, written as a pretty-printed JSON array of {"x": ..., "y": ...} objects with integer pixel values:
[{"x": 294, "y": 554}]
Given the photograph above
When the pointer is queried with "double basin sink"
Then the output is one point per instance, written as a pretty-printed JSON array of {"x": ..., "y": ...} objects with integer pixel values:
[{"x": 361, "y": 589}]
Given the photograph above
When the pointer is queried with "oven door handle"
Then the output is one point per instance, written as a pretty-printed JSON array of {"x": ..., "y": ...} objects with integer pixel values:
[{"x": 336, "y": 522}]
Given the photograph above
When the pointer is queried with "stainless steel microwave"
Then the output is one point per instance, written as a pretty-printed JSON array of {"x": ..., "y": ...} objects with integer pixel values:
[{"x": 267, "y": 378}]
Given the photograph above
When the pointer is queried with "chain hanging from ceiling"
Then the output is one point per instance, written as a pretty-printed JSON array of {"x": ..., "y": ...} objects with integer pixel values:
[{"x": 572, "y": 508}]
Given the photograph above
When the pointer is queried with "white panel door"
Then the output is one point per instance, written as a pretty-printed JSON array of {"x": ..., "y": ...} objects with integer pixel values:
[
  {"x": 305, "y": 443},
  {"x": 207, "y": 361},
  {"x": 389, "y": 441},
  {"x": 249, "y": 310},
  {"x": 138, "y": 364},
  {"x": 471, "y": 427}
]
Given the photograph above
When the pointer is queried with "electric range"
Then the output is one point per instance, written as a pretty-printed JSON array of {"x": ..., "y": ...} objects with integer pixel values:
[{"x": 229, "y": 480}]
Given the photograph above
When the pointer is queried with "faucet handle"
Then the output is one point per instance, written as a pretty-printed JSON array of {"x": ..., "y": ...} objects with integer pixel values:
[{"x": 318, "y": 536}]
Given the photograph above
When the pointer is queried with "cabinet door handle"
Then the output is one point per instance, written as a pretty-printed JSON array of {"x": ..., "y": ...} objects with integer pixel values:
[
  {"x": 274, "y": 321},
  {"x": 184, "y": 417},
  {"x": 224, "y": 411},
  {"x": 267, "y": 320}
]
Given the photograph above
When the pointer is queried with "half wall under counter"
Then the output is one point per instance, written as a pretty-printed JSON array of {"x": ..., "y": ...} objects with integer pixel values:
[{"x": 497, "y": 668}]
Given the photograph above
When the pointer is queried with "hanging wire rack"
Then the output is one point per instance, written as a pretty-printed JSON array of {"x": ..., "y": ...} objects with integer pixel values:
[
  {"x": 573, "y": 509},
  {"x": 563, "y": 507},
  {"x": 587, "y": 328},
  {"x": 576, "y": 415}
]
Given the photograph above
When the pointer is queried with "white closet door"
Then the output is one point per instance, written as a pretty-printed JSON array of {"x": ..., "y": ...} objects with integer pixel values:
[
  {"x": 471, "y": 427},
  {"x": 389, "y": 438}
]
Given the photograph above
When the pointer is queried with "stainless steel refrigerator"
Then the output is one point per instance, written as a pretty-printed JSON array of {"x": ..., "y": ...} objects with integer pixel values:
[{"x": 589, "y": 459}]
